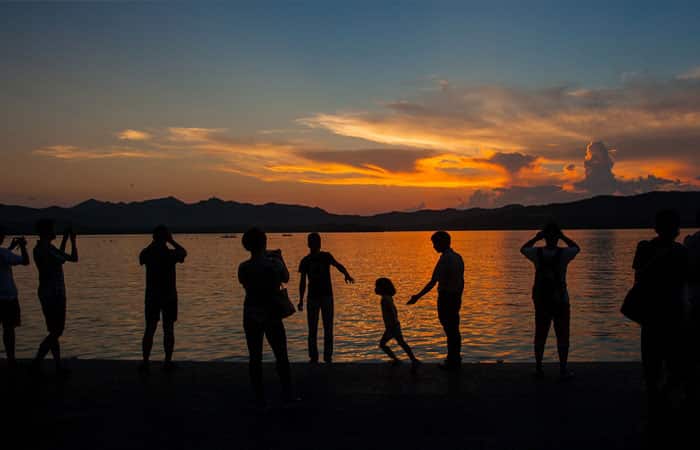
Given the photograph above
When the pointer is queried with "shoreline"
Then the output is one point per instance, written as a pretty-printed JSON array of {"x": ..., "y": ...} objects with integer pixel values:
[{"x": 107, "y": 404}]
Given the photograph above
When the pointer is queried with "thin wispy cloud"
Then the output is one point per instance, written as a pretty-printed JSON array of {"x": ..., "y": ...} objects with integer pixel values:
[
  {"x": 133, "y": 135},
  {"x": 69, "y": 152}
]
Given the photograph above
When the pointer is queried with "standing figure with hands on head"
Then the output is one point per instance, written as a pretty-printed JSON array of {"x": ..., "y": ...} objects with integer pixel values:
[
  {"x": 161, "y": 293},
  {"x": 49, "y": 261},
  {"x": 316, "y": 266},
  {"x": 448, "y": 275},
  {"x": 10, "y": 316},
  {"x": 550, "y": 294}
]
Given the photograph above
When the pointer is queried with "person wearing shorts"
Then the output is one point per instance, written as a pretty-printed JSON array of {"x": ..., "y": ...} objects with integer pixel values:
[
  {"x": 10, "y": 316},
  {"x": 550, "y": 294},
  {"x": 161, "y": 293},
  {"x": 49, "y": 261}
]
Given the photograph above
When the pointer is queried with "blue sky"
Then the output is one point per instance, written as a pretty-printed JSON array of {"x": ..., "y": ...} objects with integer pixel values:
[{"x": 74, "y": 75}]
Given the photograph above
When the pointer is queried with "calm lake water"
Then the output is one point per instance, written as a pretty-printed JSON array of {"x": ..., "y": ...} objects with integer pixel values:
[{"x": 105, "y": 297}]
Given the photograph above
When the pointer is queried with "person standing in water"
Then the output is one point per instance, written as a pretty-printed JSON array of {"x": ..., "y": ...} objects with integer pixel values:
[
  {"x": 550, "y": 294},
  {"x": 10, "y": 316},
  {"x": 49, "y": 261},
  {"x": 448, "y": 275},
  {"x": 316, "y": 268},
  {"x": 161, "y": 293}
]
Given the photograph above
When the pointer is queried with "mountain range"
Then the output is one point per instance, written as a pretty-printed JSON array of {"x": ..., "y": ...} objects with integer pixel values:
[{"x": 219, "y": 216}]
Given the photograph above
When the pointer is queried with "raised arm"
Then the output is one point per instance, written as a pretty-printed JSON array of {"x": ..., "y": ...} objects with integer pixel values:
[
  {"x": 531, "y": 243},
  {"x": 341, "y": 268},
  {"x": 23, "y": 249},
  {"x": 569, "y": 242},
  {"x": 180, "y": 252},
  {"x": 73, "y": 257}
]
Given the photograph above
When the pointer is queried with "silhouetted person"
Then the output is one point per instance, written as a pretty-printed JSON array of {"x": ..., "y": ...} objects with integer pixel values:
[
  {"x": 49, "y": 261},
  {"x": 392, "y": 327},
  {"x": 161, "y": 292},
  {"x": 661, "y": 269},
  {"x": 550, "y": 294},
  {"x": 10, "y": 316},
  {"x": 262, "y": 276},
  {"x": 692, "y": 243},
  {"x": 448, "y": 275},
  {"x": 316, "y": 267}
]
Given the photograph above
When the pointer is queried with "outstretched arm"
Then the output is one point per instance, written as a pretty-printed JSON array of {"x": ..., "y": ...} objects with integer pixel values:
[
  {"x": 428, "y": 287},
  {"x": 341, "y": 268},
  {"x": 302, "y": 291}
]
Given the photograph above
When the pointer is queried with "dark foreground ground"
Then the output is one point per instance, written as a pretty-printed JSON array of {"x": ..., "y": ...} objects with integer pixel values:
[{"x": 108, "y": 405}]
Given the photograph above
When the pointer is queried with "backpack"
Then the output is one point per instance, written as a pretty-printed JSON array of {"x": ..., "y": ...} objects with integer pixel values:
[{"x": 549, "y": 288}]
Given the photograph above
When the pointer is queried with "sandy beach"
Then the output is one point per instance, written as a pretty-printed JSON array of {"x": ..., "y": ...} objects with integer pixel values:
[{"x": 107, "y": 404}]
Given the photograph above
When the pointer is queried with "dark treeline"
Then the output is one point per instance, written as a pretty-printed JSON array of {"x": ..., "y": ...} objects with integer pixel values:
[{"x": 218, "y": 216}]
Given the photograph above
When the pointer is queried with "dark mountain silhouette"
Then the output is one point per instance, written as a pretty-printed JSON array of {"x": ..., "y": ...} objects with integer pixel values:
[{"x": 215, "y": 215}]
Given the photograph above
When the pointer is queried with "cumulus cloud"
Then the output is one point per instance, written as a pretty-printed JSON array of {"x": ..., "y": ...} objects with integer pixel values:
[
  {"x": 600, "y": 178},
  {"x": 133, "y": 135}
]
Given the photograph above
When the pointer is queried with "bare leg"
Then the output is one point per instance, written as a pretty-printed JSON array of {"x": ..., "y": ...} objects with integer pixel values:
[
  {"x": 406, "y": 348},
  {"x": 8, "y": 337},
  {"x": 168, "y": 339},
  {"x": 382, "y": 344},
  {"x": 147, "y": 342}
]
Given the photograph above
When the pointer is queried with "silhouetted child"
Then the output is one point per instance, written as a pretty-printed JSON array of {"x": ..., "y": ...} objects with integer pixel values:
[{"x": 385, "y": 288}]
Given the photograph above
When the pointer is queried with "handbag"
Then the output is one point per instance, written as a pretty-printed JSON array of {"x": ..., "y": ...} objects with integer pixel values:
[
  {"x": 635, "y": 306},
  {"x": 282, "y": 305}
]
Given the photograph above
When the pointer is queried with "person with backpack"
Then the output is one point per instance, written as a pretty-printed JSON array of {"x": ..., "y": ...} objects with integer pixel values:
[{"x": 550, "y": 294}]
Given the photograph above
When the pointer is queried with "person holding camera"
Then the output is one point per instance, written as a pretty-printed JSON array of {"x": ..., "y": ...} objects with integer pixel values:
[
  {"x": 550, "y": 294},
  {"x": 161, "y": 293},
  {"x": 49, "y": 261},
  {"x": 262, "y": 276},
  {"x": 10, "y": 317}
]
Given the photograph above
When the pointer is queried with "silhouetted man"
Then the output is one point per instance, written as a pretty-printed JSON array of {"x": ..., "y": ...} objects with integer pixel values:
[
  {"x": 161, "y": 292},
  {"x": 449, "y": 278},
  {"x": 550, "y": 294},
  {"x": 10, "y": 316},
  {"x": 692, "y": 243},
  {"x": 49, "y": 261},
  {"x": 661, "y": 271},
  {"x": 316, "y": 267}
]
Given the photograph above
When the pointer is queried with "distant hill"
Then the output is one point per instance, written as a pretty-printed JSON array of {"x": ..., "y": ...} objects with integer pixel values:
[{"x": 215, "y": 215}]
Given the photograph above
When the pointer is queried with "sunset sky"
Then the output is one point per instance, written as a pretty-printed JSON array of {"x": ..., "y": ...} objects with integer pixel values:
[{"x": 355, "y": 107}]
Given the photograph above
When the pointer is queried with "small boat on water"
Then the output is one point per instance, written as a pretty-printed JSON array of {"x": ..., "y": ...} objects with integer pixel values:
[{"x": 229, "y": 236}]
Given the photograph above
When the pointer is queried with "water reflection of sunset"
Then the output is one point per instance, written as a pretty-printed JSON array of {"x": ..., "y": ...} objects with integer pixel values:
[{"x": 106, "y": 296}]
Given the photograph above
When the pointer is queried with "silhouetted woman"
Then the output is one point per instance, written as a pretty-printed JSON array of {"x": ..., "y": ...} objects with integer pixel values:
[
  {"x": 661, "y": 267},
  {"x": 262, "y": 276}
]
